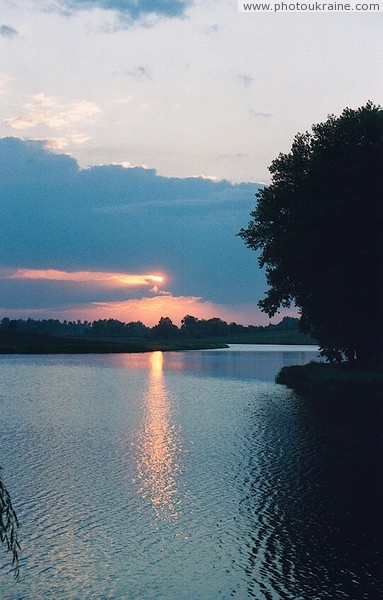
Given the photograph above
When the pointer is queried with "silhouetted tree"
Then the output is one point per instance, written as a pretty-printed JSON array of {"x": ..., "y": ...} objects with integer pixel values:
[
  {"x": 165, "y": 330},
  {"x": 7, "y": 326},
  {"x": 8, "y": 527},
  {"x": 108, "y": 328},
  {"x": 136, "y": 329},
  {"x": 216, "y": 327},
  {"x": 191, "y": 327},
  {"x": 318, "y": 228},
  {"x": 236, "y": 328}
]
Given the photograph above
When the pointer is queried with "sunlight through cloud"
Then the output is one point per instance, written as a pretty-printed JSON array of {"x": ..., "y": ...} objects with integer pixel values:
[{"x": 99, "y": 277}]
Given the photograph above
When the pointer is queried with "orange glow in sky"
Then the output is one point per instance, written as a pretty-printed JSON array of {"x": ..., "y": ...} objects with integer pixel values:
[
  {"x": 100, "y": 277},
  {"x": 147, "y": 308}
]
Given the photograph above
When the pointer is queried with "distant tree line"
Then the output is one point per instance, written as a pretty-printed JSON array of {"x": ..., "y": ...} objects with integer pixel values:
[{"x": 191, "y": 328}]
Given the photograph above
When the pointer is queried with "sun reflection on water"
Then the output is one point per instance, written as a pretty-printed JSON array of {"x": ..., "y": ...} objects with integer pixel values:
[{"x": 157, "y": 446}]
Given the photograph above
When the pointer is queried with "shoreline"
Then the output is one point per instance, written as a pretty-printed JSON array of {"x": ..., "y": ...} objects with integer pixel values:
[
  {"x": 333, "y": 381},
  {"x": 86, "y": 346},
  {"x": 25, "y": 343}
]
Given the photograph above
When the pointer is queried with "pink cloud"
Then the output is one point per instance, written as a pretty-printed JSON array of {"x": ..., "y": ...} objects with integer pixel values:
[{"x": 103, "y": 278}]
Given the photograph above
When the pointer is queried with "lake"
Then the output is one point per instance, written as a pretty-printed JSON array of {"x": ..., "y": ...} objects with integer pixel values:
[{"x": 187, "y": 476}]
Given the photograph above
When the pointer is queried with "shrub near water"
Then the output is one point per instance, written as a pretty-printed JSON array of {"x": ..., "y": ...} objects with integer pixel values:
[{"x": 333, "y": 381}]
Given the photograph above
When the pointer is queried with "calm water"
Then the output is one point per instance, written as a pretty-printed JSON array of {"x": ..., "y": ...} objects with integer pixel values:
[{"x": 187, "y": 476}]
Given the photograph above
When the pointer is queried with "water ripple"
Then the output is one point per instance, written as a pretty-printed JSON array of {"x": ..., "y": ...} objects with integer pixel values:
[{"x": 148, "y": 479}]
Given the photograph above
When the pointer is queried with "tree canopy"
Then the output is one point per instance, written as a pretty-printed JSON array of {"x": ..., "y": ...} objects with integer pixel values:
[{"x": 318, "y": 230}]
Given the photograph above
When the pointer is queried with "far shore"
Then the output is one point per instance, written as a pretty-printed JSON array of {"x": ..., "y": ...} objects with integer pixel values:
[
  {"x": 77, "y": 345},
  {"x": 27, "y": 343}
]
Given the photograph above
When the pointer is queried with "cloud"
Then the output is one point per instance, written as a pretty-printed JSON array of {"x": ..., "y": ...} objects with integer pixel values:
[
  {"x": 131, "y": 10},
  {"x": 72, "y": 237},
  {"x": 209, "y": 29},
  {"x": 123, "y": 100},
  {"x": 147, "y": 309},
  {"x": 96, "y": 277},
  {"x": 60, "y": 143},
  {"x": 49, "y": 111},
  {"x": 138, "y": 73},
  {"x": 53, "y": 289},
  {"x": 7, "y": 31},
  {"x": 255, "y": 113},
  {"x": 4, "y": 82},
  {"x": 235, "y": 156},
  {"x": 246, "y": 80}
]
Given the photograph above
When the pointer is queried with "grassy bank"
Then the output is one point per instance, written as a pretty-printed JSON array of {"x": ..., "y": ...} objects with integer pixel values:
[
  {"x": 333, "y": 381},
  {"x": 18, "y": 342},
  {"x": 24, "y": 343}
]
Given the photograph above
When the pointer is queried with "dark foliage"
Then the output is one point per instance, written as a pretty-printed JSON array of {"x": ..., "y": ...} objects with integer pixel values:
[
  {"x": 318, "y": 228},
  {"x": 111, "y": 336},
  {"x": 335, "y": 382},
  {"x": 54, "y": 327},
  {"x": 8, "y": 527}
]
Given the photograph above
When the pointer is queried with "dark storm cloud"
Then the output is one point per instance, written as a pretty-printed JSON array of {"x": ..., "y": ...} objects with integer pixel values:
[
  {"x": 58, "y": 216},
  {"x": 7, "y": 31},
  {"x": 131, "y": 9}
]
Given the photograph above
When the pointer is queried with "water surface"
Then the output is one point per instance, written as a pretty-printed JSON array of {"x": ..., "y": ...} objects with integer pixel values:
[{"x": 187, "y": 476}]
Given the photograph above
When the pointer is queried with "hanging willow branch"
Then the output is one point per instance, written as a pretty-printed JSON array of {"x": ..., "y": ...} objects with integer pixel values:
[{"x": 8, "y": 528}]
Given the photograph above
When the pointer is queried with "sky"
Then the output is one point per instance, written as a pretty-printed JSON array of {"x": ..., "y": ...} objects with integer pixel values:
[{"x": 134, "y": 136}]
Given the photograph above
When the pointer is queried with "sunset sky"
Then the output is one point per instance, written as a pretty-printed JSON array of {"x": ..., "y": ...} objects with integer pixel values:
[{"x": 134, "y": 136}]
